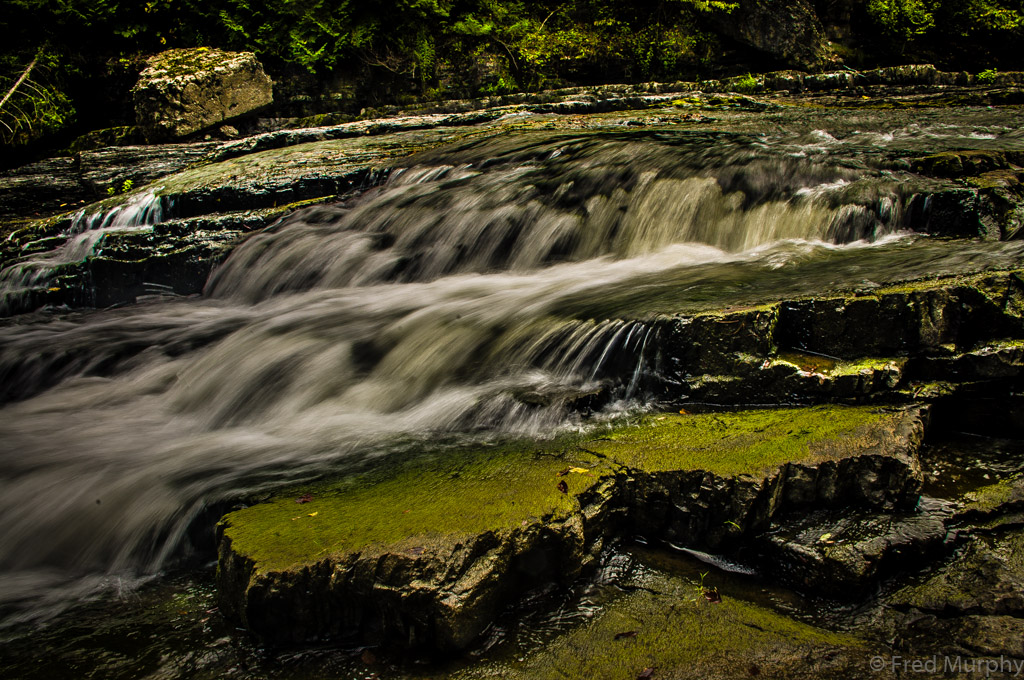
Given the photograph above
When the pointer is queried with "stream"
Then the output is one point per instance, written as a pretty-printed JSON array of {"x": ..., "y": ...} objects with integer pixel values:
[{"x": 481, "y": 291}]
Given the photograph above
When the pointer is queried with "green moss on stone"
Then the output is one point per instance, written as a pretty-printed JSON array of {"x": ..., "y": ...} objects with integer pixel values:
[
  {"x": 868, "y": 364},
  {"x": 97, "y": 139},
  {"x": 828, "y": 366},
  {"x": 415, "y": 505},
  {"x": 987, "y": 577},
  {"x": 679, "y": 634},
  {"x": 421, "y": 505},
  {"x": 995, "y": 497},
  {"x": 745, "y": 442}
]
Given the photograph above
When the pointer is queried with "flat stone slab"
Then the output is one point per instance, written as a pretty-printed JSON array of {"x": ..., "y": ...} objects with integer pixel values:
[
  {"x": 668, "y": 628},
  {"x": 425, "y": 553}
]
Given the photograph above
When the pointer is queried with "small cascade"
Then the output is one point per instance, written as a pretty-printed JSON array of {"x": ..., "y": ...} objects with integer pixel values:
[
  {"x": 506, "y": 287},
  {"x": 561, "y": 203},
  {"x": 141, "y": 211}
]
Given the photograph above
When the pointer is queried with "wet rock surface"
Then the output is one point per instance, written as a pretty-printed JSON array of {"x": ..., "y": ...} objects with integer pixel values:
[
  {"x": 703, "y": 480},
  {"x": 949, "y": 341},
  {"x": 986, "y": 578},
  {"x": 962, "y": 193},
  {"x": 847, "y": 554}
]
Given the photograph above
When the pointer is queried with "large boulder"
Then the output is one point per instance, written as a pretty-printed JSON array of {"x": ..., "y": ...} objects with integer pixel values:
[
  {"x": 790, "y": 32},
  {"x": 183, "y": 91}
]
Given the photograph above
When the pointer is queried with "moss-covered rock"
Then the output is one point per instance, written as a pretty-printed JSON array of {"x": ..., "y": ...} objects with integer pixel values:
[
  {"x": 425, "y": 554},
  {"x": 986, "y": 578},
  {"x": 97, "y": 139},
  {"x": 182, "y": 91},
  {"x": 898, "y": 320},
  {"x": 670, "y": 629},
  {"x": 889, "y": 342},
  {"x": 968, "y": 162},
  {"x": 992, "y": 505}
]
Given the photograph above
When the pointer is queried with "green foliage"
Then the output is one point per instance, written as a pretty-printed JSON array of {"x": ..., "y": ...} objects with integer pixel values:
[
  {"x": 987, "y": 76},
  {"x": 746, "y": 84},
  {"x": 124, "y": 188},
  {"x": 442, "y": 47},
  {"x": 902, "y": 19},
  {"x": 32, "y": 105},
  {"x": 975, "y": 27},
  {"x": 592, "y": 40}
]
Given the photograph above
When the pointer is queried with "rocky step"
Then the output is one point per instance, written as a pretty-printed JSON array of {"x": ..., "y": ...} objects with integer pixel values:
[
  {"x": 909, "y": 341},
  {"x": 230, "y": 186},
  {"x": 173, "y": 258},
  {"x": 986, "y": 578},
  {"x": 970, "y": 609},
  {"x": 425, "y": 553},
  {"x": 953, "y": 341},
  {"x": 89, "y": 171},
  {"x": 847, "y": 554},
  {"x": 993, "y": 505}
]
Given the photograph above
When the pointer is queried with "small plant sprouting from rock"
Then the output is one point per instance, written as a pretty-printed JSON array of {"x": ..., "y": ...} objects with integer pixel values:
[
  {"x": 125, "y": 187},
  {"x": 703, "y": 591},
  {"x": 746, "y": 84},
  {"x": 988, "y": 76}
]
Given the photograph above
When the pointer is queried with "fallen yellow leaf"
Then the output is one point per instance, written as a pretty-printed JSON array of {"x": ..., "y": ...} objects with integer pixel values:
[
  {"x": 314, "y": 514},
  {"x": 579, "y": 471}
]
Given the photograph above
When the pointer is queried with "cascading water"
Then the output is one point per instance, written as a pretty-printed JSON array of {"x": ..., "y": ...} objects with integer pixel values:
[
  {"x": 476, "y": 297},
  {"x": 572, "y": 200},
  {"x": 141, "y": 211}
]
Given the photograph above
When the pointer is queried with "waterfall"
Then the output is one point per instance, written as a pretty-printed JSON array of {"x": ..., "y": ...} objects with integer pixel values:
[
  {"x": 141, "y": 211},
  {"x": 467, "y": 298},
  {"x": 563, "y": 203}
]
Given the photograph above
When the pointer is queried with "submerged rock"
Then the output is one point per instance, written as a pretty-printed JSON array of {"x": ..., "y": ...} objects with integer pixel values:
[
  {"x": 667, "y": 627},
  {"x": 993, "y": 501},
  {"x": 183, "y": 91},
  {"x": 425, "y": 554}
]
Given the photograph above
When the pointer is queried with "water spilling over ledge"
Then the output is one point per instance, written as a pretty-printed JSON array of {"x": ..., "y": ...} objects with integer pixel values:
[
  {"x": 524, "y": 285},
  {"x": 80, "y": 239}
]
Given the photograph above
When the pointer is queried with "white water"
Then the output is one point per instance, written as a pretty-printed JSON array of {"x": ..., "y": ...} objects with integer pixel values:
[
  {"x": 139, "y": 212},
  {"x": 432, "y": 307}
]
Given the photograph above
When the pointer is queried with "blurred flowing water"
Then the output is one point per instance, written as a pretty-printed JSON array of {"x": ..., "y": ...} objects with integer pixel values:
[
  {"x": 486, "y": 290},
  {"x": 87, "y": 229}
]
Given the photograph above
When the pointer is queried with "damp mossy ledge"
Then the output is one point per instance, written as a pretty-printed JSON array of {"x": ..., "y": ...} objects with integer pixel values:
[
  {"x": 675, "y": 630},
  {"x": 744, "y": 442},
  {"x": 412, "y": 506},
  {"x": 424, "y": 553}
]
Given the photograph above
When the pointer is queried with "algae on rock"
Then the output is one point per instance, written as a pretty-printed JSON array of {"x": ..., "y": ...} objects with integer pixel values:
[{"x": 426, "y": 553}]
